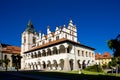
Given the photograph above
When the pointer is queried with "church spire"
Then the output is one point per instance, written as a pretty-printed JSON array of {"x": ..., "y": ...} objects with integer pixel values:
[
  {"x": 71, "y": 22},
  {"x": 30, "y": 27}
]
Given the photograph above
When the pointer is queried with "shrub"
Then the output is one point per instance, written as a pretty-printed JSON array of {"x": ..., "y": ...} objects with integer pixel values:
[{"x": 94, "y": 68}]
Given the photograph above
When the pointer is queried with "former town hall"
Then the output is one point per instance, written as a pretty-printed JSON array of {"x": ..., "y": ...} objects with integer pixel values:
[{"x": 58, "y": 50}]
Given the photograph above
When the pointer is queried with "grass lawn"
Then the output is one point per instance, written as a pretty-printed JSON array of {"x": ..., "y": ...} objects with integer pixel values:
[{"x": 74, "y": 75}]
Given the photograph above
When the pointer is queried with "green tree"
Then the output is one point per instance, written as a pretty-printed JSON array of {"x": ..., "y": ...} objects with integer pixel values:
[
  {"x": 114, "y": 45},
  {"x": 16, "y": 60},
  {"x": 6, "y": 61},
  {"x": 112, "y": 63},
  {"x": 1, "y": 62}
]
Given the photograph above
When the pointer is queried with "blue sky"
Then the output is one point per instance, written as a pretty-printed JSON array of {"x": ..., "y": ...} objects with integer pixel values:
[{"x": 97, "y": 20}]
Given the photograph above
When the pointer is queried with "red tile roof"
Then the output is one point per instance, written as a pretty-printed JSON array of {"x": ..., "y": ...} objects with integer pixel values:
[
  {"x": 56, "y": 42},
  {"x": 106, "y": 55},
  {"x": 11, "y": 50}
]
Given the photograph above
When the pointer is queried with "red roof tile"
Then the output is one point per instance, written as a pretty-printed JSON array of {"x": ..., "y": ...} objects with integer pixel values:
[{"x": 11, "y": 49}]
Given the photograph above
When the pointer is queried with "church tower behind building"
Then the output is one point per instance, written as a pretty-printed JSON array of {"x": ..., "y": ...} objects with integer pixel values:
[{"x": 28, "y": 38}]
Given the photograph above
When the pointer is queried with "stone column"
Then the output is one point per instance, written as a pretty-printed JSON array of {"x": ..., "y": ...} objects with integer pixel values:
[
  {"x": 58, "y": 63},
  {"x": 75, "y": 65},
  {"x": 46, "y": 52},
  {"x": 65, "y": 50},
  {"x": 41, "y": 67},
  {"x": 66, "y": 64},
  {"x": 51, "y": 49},
  {"x": 38, "y": 66},
  {"x": 81, "y": 65},
  {"x": 58, "y": 51}
]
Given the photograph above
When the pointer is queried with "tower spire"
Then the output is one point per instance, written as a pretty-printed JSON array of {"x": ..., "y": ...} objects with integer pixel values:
[{"x": 30, "y": 27}]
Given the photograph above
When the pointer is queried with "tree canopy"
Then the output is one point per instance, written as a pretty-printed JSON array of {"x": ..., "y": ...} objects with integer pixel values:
[{"x": 114, "y": 44}]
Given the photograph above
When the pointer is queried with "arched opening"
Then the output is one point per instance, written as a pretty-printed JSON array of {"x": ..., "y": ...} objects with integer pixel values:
[
  {"x": 29, "y": 66},
  {"x": 35, "y": 55},
  {"x": 36, "y": 67},
  {"x": 33, "y": 67},
  {"x": 39, "y": 54},
  {"x": 39, "y": 65},
  {"x": 69, "y": 49},
  {"x": 49, "y": 65},
  {"x": 44, "y": 65},
  {"x": 71, "y": 64},
  {"x": 48, "y": 52},
  {"x": 83, "y": 65},
  {"x": 62, "y": 49},
  {"x": 55, "y": 50},
  {"x": 44, "y": 53},
  {"x": 88, "y": 62},
  {"x": 32, "y": 55},
  {"x": 55, "y": 65},
  {"x": 61, "y": 64},
  {"x": 79, "y": 65}
]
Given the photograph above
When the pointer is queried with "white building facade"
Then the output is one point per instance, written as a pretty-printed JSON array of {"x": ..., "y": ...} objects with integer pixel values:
[{"x": 59, "y": 50}]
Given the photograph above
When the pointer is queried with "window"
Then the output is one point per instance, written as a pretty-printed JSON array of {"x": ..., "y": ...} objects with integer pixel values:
[
  {"x": 57, "y": 37},
  {"x": 66, "y": 36},
  {"x": 68, "y": 51},
  {"x": 34, "y": 40},
  {"x": 32, "y": 55},
  {"x": 49, "y": 40},
  {"x": 86, "y": 54},
  {"x": 78, "y": 52},
  {"x": 89, "y": 54},
  {"x": 5, "y": 56},
  {"x": 82, "y": 53},
  {"x": 24, "y": 40}
]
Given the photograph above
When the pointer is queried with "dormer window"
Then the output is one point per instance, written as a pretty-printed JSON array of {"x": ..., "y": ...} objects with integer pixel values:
[
  {"x": 57, "y": 37},
  {"x": 49, "y": 40}
]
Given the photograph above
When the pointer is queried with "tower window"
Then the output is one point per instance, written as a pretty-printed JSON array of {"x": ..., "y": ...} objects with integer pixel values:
[
  {"x": 24, "y": 39},
  {"x": 34, "y": 40}
]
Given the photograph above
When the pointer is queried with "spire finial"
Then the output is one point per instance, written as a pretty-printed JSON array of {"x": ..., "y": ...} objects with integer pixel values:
[
  {"x": 30, "y": 22},
  {"x": 71, "y": 21}
]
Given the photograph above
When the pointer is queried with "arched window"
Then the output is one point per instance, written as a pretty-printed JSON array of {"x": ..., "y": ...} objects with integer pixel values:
[
  {"x": 32, "y": 55},
  {"x": 35, "y": 54},
  {"x": 62, "y": 49},
  {"x": 48, "y": 52},
  {"x": 39, "y": 54},
  {"x": 5, "y": 56},
  {"x": 55, "y": 50}
]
